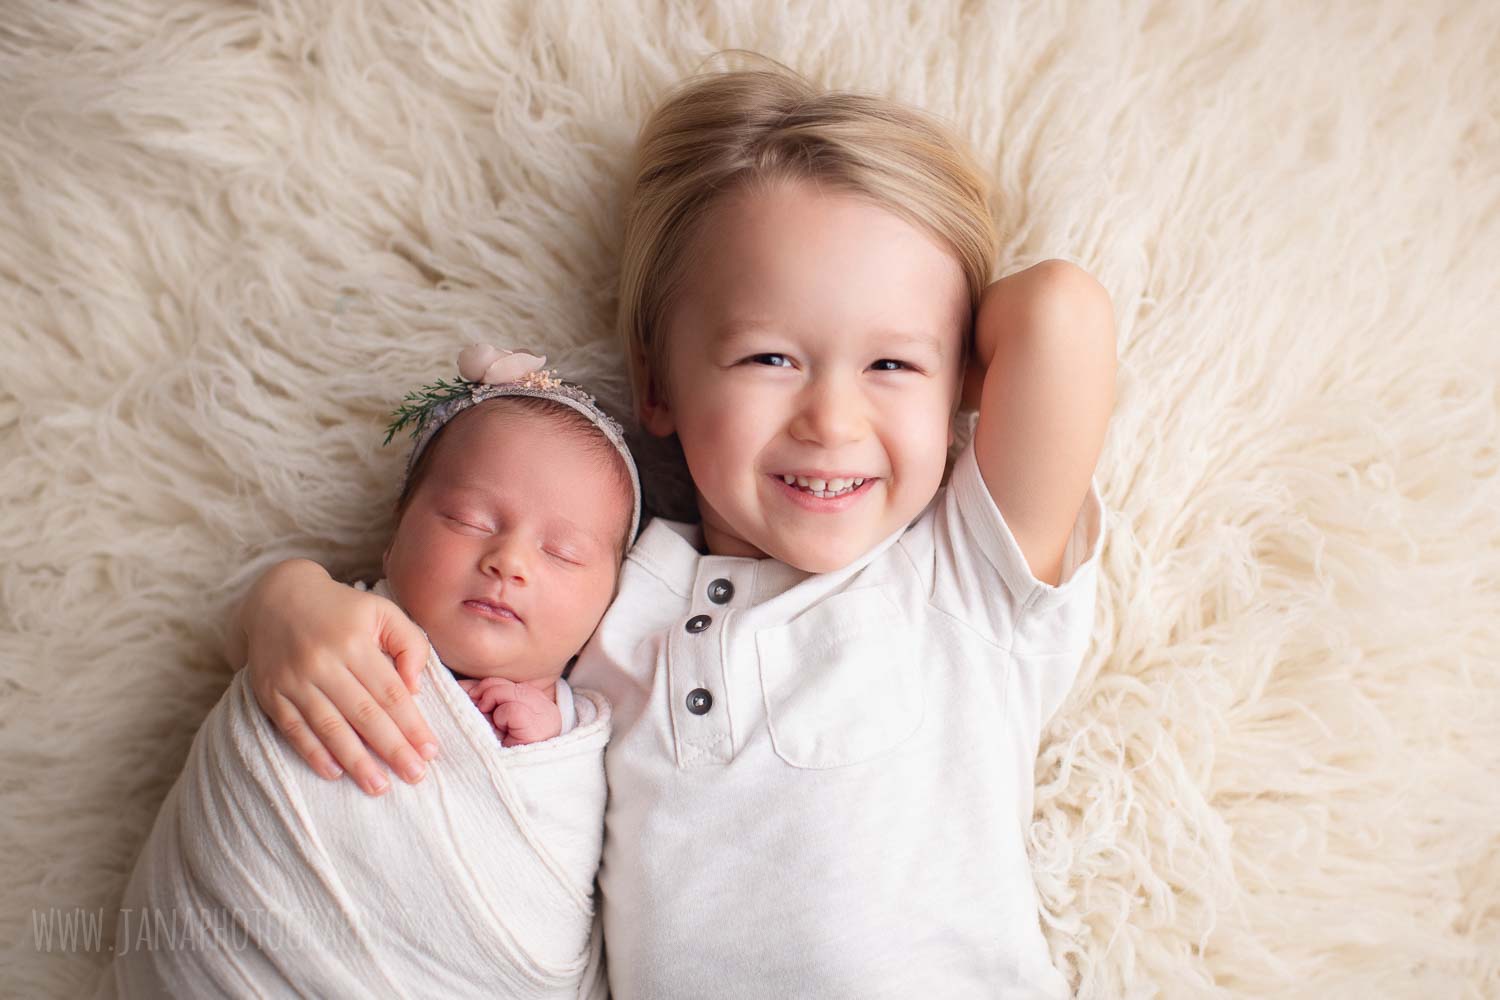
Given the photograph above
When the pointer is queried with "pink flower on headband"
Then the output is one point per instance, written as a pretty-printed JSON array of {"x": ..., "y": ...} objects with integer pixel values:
[{"x": 493, "y": 366}]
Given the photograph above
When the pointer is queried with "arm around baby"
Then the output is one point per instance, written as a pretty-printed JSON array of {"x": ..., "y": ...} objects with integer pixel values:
[{"x": 334, "y": 668}]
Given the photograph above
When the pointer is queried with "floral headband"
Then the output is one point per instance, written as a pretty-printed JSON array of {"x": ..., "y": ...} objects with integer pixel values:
[{"x": 486, "y": 372}]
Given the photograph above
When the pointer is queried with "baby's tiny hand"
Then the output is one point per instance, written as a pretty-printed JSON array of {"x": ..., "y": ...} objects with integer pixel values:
[{"x": 520, "y": 713}]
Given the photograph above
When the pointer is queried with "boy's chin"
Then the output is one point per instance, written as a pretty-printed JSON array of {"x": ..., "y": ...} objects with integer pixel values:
[{"x": 821, "y": 556}]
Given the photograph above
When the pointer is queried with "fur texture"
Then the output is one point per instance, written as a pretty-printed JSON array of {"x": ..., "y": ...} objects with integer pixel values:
[{"x": 232, "y": 236}]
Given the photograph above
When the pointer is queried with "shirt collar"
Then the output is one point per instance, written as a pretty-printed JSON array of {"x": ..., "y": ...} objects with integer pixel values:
[{"x": 669, "y": 551}]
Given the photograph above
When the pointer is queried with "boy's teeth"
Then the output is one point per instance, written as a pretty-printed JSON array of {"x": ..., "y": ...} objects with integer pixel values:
[{"x": 822, "y": 487}]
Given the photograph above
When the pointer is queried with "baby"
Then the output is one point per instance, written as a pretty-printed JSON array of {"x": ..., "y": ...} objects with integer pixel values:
[
  {"x": 508, "y": 558},
  {"x": 519, "y": 503}
]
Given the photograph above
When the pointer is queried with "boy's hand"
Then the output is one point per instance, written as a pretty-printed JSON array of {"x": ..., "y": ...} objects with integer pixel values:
[
  {"x": 317, "y": 651},
  {"x": 520, "y": 713}
]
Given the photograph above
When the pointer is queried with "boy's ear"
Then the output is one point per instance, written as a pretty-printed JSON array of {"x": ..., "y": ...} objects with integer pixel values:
[{"x": 655, "y": 415}]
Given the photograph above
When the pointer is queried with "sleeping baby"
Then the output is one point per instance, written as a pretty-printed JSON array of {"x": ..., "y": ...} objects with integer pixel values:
[{"x": 262, "y": 878}]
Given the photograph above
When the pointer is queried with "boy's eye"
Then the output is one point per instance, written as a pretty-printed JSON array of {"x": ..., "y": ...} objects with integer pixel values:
[
  {"x": 894, "y": 365},
  {"x": 776, "y": 360}
]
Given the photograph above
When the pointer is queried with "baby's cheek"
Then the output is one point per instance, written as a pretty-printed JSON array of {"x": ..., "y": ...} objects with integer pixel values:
[{"x": 591, "y": 597}]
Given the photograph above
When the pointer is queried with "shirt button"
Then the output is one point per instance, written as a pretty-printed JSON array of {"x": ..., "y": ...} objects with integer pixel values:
[
  {"x": 720, "y": 591},
  {"x": 699, "y": 701},
  {"x": 698, "y": 623}
]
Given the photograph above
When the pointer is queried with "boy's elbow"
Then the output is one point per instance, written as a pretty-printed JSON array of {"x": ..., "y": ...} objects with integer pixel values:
[
  {"x": 1074, "y": 300},
  {"x": 1078, "y": 317}
]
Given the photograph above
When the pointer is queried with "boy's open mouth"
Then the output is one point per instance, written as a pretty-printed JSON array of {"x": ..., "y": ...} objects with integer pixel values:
[
  {"x": 823, "y": 489},
  {"x": 826, "y": 489}
]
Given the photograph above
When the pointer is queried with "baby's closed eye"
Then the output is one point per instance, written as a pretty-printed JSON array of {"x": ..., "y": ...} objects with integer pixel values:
[{"x": 468, "y": 523}]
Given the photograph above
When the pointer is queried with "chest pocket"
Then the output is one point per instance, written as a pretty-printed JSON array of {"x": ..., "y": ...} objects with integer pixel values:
[{"x": 839, "y": 683}]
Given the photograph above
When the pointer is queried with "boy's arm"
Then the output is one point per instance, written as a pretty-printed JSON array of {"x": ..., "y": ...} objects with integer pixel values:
[
  {"x": 1044, "y": 368},
  {"x": 318, "y": 657},
  {"x": 237, "y": 643}
]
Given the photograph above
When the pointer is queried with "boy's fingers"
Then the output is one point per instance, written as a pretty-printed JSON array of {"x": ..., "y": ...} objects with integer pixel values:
[
  {"x": 300, "y": 735},
  {"x": 397, "y": 700},
  {"x": 406, "y": 645},
  {"x": 329, "y": 725},
  {"x": 372, "y": 698}
]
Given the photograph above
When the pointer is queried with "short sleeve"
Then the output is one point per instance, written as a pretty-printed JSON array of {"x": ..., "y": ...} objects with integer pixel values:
[{"x": 975, "y": 570}]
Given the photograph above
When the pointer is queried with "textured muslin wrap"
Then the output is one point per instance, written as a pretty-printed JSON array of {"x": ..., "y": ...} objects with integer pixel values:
[{"x": 261, "y": 878}]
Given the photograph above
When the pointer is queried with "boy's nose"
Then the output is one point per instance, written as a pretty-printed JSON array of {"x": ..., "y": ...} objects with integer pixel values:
[{"x": 830, "y": 412}]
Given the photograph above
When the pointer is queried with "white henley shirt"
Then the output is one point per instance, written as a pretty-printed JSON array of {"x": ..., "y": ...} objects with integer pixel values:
[{"x": 820, "y": 784}]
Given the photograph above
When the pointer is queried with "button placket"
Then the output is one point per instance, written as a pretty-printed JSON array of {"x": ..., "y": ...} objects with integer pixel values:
[{"x": 700, "y": 705}]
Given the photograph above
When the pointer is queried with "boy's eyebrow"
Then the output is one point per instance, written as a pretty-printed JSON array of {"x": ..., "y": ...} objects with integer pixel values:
[
  {"x": 731, "y": 329},
  {"x": 927, "y": 340}
]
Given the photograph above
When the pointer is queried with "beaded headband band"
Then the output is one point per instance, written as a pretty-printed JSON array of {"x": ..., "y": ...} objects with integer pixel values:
[{"x": 487, "y": 372}]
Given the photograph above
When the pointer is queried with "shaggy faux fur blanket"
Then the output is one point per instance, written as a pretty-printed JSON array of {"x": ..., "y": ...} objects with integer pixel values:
[
  {"x": 262, "y": 879},
  {"x": 232, "y": 235}
]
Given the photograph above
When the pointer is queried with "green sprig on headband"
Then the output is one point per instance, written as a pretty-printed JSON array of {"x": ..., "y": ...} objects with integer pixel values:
[{"x": 421, "y": 402}]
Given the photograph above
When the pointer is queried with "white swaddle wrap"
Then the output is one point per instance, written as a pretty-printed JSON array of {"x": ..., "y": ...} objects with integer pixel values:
[{"x": 261, "y": 878}]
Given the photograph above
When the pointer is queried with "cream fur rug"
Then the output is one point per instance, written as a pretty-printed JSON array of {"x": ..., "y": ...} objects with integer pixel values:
[{"x": 231, "y": 237}]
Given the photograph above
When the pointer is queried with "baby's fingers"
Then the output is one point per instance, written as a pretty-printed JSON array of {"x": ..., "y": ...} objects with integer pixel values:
[{"x": 494, "y": 691}]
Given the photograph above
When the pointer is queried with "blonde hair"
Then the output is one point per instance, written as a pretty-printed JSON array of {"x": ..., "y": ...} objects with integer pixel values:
[{"x": 719, "y": 133}]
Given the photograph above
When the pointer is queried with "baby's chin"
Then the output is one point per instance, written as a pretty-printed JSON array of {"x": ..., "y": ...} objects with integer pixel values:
[{"x": 471, "y": 665}]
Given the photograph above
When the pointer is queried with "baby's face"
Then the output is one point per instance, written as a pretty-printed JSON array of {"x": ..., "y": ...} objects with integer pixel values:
[
  {"x": 817, "y": 336},
  {"x": 507, "y": 552}
]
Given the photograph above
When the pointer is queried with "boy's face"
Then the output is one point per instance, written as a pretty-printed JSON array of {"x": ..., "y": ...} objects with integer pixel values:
[
  {"x": 512, "y": 512},
  {"x": 817, "y": 336}
]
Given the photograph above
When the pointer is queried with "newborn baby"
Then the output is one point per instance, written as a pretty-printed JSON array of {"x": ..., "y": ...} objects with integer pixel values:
[
  {"x": 262, "y": 878},
  {"x": 503, "y": 551}
]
